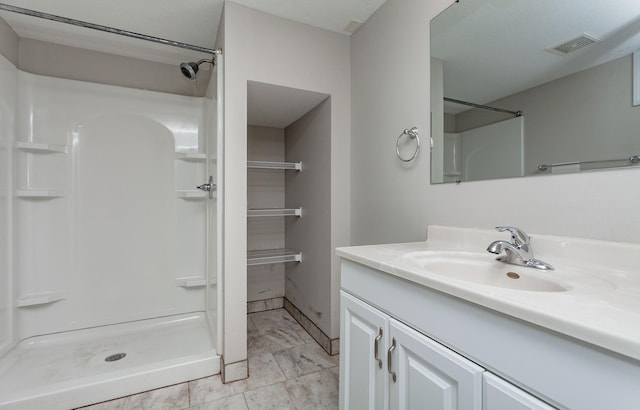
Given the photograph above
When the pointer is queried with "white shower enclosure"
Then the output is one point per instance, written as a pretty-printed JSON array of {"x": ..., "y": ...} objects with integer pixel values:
[{"x": 110, "y": 253}]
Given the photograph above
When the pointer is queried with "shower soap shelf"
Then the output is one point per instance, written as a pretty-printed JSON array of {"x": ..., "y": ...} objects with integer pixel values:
[
  {"x": 191, "y": 156},
  {"x": 39, "y": 193},
  {"x": 40, "y": 147},
  {"x": 191, "y": 282},
  {"x": 274, "y": 212},
  {"x": 192, "y": 194},
  {"x": 271, "y": 256},
  {"x": 274, "y": 165},
  {"x": 38, "y": 299}
]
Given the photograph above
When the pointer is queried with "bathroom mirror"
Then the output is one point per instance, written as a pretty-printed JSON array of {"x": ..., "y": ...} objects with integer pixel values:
[{"x": 550, "y": 86}]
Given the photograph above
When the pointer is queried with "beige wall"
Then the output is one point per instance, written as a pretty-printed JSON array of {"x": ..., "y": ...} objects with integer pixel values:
[
  {"x": 391, "y": 203},
  {"x": 8, "y": 43},
  {"x": 272, "y": 50},
  {"x": 265, "y": 189},
  {"x": 390, "y": 92},
  {"x": 54, "y": 60},
  {"x": 38, "y": 57},
  {"x": 584, "y": 116},
  {"x": 309, "y": 284}
]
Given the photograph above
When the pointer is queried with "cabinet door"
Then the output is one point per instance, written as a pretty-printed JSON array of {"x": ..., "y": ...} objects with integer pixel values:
[
  {"x": 429, "y": 375},
  {"x": 502, "y": 395},
  {"x": 362, "y": 377}
]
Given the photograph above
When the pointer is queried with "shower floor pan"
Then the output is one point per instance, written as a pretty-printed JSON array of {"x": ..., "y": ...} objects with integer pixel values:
[{"x": 67, "y": 370}]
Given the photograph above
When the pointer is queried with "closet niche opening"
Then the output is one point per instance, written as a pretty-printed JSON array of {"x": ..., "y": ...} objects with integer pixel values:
[{"x": 289, "y": 204}]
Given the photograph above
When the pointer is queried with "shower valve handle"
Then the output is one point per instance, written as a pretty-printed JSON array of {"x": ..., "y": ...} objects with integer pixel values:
[{"x": 208, "y": 187}]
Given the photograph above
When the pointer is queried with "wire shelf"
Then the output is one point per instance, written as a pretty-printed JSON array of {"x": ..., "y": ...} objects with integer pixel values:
[
  {"x": 271, "y": 256},
  {"x": 274, "y": 212},
  {"x": 274, "y": 165}
]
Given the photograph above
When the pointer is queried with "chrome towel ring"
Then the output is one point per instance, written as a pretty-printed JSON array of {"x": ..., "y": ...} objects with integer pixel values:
[{"x": 412, "y": 134}]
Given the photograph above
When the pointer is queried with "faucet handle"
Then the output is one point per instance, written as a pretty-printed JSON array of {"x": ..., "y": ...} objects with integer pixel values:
[{"x": 518, "y": 237}]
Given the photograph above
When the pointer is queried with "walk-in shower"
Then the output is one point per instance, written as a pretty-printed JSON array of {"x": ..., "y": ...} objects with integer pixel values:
[{"x": 108, "y": 252}]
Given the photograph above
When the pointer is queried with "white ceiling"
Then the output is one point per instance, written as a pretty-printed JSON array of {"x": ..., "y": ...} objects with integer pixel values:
[
  {"x": 494, "y": 48},
  {"x": 188, "y": 21},
  {"x": 274, "y": 106}
]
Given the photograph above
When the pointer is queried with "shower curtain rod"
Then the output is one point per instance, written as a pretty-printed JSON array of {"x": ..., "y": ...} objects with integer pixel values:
[
  {"x": 484, "y": 107},
  {"x": 107, "y": 29}
]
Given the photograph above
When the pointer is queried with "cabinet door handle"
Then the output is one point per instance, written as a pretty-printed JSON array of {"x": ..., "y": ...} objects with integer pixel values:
[
  {"x": 376, "y": 344},
  {"x": 389, "y": 358}
]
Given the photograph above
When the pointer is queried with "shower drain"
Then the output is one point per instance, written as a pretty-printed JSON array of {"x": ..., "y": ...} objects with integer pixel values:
[{"x": 115, "y": 357}]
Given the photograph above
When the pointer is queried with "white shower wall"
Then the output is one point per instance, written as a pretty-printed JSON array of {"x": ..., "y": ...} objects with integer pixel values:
[
  {"x": 494, "y": 151},
  {"x": 8, "y": 81},
  {"x": 112, "y": 230}
]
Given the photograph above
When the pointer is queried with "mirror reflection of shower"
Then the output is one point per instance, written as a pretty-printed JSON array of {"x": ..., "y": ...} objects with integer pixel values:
[{"x": 190, "y": 70}]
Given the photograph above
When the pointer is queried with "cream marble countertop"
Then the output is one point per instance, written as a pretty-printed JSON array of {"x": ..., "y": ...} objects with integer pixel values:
[{"x": 601, "y": 305}]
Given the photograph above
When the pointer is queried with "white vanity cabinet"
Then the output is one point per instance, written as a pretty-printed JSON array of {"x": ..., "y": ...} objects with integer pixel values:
[
  {"x": 499, "y": 394},
  {"x": 364, "y": 333},
  {"x": 536, "y": 348},
  {"x": 452, "y": 354},
  {"x": 428, "y": 375},
  {"x": 386, "y": 364}
]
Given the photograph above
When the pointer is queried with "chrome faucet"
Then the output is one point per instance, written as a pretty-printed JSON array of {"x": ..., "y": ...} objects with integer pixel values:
[{"x": 518, "y": 251}]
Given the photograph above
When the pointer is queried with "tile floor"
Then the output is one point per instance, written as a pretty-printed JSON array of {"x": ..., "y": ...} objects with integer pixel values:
[{"x": 287, "y": 370}]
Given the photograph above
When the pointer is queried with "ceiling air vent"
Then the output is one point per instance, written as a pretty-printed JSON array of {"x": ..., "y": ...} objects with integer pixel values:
[
  {"x": 573, "y": 45},
  {"x": 352, "y": 26}
]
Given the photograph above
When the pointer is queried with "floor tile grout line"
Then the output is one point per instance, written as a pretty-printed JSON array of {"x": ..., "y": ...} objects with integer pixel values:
[
  {"x": 285, "y": 383},
  {"x": 279, "y": 366},
  {"x": 313, "y": 343},
  {"x": 244, "y": 397},
  {"x": 289, "y": 393},
  {"x": 189, "y": 393}
]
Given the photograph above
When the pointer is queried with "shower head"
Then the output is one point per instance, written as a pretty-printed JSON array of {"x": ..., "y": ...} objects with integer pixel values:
[{"x": 190, "y": 70}]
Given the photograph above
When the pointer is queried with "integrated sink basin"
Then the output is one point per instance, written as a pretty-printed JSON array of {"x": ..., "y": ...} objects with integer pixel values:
[
  {"x": 481, "y": 269},
  {"x": 593, "y": 295}
]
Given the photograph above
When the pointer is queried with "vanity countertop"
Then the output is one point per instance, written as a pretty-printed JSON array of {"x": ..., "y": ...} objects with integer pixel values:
[{"x": 601, "y": 305}]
